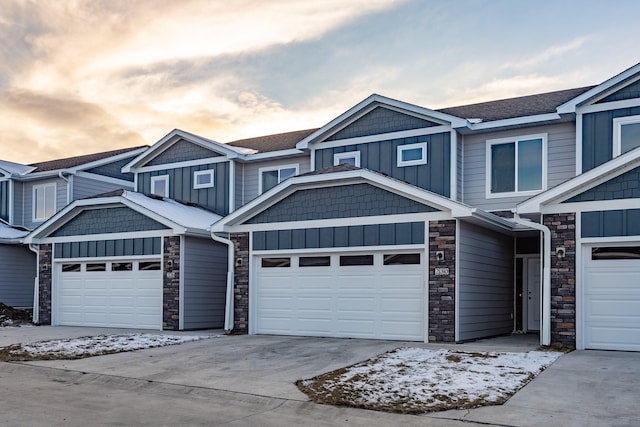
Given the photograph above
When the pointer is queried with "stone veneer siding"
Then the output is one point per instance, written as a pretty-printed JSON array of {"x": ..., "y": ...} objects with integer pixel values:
[
  {"x": 563, "y": 278},
  {"x": 442, "y": 237},
  {"x": 171, "y": 284},
  {"x": 241, "y": 282},
  {"x": 44, "y": 284}
]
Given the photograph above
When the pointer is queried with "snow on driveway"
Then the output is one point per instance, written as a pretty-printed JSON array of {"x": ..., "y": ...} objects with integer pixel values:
[
  {"x": 414, "y": 380},
  {"x": 78, "y": 348}
]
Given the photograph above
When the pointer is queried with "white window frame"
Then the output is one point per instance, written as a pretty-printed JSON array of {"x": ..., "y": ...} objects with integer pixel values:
[
  {"x": 491, "y": 142},
  {"x": 407, "y": 147},
  {"x": 43, "y": 189},
  {"x": 347, "y": 155},
  {"x": 208, "y": 172},
  {"x": 618, "y": 122},
  {"x": 274, "y": 168},
  {"x": 159, "y": 178}
]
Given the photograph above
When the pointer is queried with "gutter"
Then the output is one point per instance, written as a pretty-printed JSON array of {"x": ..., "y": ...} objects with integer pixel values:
[
  {"x": 229, "y": 306},
  {"x": 36, "y": 293},
  {"x": 545, "y": 306}
]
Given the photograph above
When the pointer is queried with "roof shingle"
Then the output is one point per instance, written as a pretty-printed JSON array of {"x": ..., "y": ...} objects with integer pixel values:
[{"x": 70, "y": 162}]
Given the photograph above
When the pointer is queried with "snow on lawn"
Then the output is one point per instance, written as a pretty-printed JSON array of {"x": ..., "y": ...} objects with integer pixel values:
[
  {"x": 414, "y": 380},
  {"x": 78, "y": 348}
]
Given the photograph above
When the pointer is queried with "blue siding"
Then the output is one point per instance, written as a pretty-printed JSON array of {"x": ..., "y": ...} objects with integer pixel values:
[
  {"x": 343, "y": 201},
  {"x": 597, "y": 136},
  {"x": 625, "y": 186},
  {"x": 381, "y": 120},
  {"x": 215, "y": 198},
  {"x": 611, "y": 223},
  {"x": 182, "y": 151},
  {"x": 381, "y": 156},
  {"x": 107, "y": 220},
  {"x": 109, "y": 248},
  {"x": 113, "y": 170},
  {"x": 630, "y": 92},
  {"x": 4, "y": 200},
  {"x": 17, "y": 275},
  {"x": 408, "y": 233}
]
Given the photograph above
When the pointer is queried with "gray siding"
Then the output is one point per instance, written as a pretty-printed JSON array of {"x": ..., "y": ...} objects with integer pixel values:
[
  {"x": 251, "y": 174},
  {"x": 381, "y": 120},
  {"x": 114, "y": 170},
  {"x": 86, "y": 187},
  {"x": 407, "y": 233},
  {"x": 630, "y": 92},
  {"x": 18, "y": 203},
  {"x": 109, "y": 248},
  {"x": 4, "y": 200},
  {"x": 382, "y": 156},
  {"x": 215, "y": 198},
  {"x": 485, "y": 283},
  {"x": 182, "y": 151},
  {"x": 344, "y": 201},
  {"x": 625, "y": 186},
  {"x": 597, "y": 136},
  {"x": 107, "y": 220},
  {"x": 61, "y": 199},
  {"x": 460, "y": 165},
  {"x": 621, "y": 222},
  {"x": 561, "y": 163},
  {"x": 17, "y": 275},
  {"x": 205, "y": 283},
  {"x": 239, "y": 185}
]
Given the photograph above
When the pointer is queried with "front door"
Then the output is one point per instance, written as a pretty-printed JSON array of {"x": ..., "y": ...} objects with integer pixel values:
[{"x": 532, "y": 283}]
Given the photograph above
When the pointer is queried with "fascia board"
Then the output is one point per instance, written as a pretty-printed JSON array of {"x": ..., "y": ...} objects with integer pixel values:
[
  {"x": 516, "y": 121},
  {"x": 293, "y": 152},
  {"x": 106, "y": 160}
]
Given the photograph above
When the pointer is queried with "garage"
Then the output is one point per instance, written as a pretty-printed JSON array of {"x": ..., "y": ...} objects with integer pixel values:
[
  {"x": 378, "y": 295},
  {"x": 117, "y": 294},
  {"x": 612, "y": 297}
]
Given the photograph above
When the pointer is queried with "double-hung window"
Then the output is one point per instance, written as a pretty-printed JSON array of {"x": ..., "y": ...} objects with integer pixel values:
[
  {"x": 626, "y": 134},
  {"x": 349, "y": 157},
  {"x": 516, "y": 165},
  {"x": 270, "y": 177},
  {"x": 44, "y": 201},
  {"x": 160, "y": 185}
]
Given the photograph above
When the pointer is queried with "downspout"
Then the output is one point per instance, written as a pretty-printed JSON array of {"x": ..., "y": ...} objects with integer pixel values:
[
  {"x": 36, "y": 287},
  {"x": 228, "y": 311},
  {"x": 545, "y": 307}
]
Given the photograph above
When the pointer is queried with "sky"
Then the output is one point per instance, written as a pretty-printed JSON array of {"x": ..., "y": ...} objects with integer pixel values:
[{"x": 79, "y": 77}]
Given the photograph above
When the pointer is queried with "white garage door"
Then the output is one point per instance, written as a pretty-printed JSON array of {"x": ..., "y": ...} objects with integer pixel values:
[
  {"x": 371, "y": 295},
  {"x": 122, "y": 294},
  {"x": 612, "y": 298}
]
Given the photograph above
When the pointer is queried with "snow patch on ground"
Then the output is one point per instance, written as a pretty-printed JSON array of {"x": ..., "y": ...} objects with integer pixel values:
[
  {"x": 78, "y": 348},
  {"x": 415, "y": 380}
]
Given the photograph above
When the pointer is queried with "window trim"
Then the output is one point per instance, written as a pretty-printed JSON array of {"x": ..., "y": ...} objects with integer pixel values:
[
  {"x": 491, "y": 142},
  {"x": 197, "y": 174},
  {"x": 34, "y": 192},
  {"x": 158, "y": 178},
  {"x": 274, "y": 168},
  {"x": 347, "y": 155},
  {"x": 618, "y": 122},
  {"x": 406, "y": 147}
]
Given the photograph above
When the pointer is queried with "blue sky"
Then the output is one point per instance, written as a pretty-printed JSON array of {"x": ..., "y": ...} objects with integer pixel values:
[{"x": 84, "y": 76}]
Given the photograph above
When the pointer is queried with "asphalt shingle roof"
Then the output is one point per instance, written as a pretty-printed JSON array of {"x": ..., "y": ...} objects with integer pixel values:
[
  {"x": 70, "y": 162},
  {"x": 280, "y": 141}
]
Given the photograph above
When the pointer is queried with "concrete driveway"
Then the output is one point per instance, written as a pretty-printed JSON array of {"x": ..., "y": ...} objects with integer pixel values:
[{"x": 248, "y": 380}]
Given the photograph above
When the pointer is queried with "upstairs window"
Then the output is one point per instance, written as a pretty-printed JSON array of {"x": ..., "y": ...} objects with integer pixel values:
[
  {"x": 516, "y": 165},
  {"x": 626, "y": 134},
  {"x": 349, "y": 157},
  {"x": 203, "y": 179},
  {"x": 412, "y": 154},
  {"x": 160, "y": 185},
  {"x": 44, "y": 201},
  {"x": 270, "y": 177}
]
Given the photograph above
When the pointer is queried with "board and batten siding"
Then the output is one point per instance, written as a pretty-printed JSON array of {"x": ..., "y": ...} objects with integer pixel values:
[
  {"x": 485, "y": 283},
  {"x": 561, "y": 163},
  {"x": 205, "y": 283},
  {"x": 27, "y": 197},
  {"x": 251, "y": 174},
  {"x": 86, "y": 187},
  {"x": 17, "y": 275}
]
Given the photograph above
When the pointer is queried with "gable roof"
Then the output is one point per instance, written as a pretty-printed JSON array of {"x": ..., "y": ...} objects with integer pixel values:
[
  {"x": 71, "y": 162},
  {"x": 9, "y": 234},
  {"x": 12, "y": 168}
]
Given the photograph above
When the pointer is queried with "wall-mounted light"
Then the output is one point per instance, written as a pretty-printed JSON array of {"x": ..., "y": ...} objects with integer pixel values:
[
  {"x": 440, "y": 256},
  {"x": 561, "y": 252},
  {"x": 238, "y": 262}
]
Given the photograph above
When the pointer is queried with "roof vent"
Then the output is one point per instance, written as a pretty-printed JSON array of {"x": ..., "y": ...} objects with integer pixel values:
[{"x": 474, "y": 121}]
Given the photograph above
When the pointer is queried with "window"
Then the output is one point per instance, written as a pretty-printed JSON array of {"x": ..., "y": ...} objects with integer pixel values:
[
  {"x": 349, "y": 260},
  {"x": 412, "y": 154},
  {"x": 203, "y": 179},
  {"x": 97, "y": 267},
  {"x": 516, "y": 165},
  {"x": 149, "y": 265},
  {"x": 401, "y": 259},
  {"x": 160, "y": 185},
  {"x": 70, "y": 268},
  {"x": 276, "y": 262},
  {"x": 620, "y": 252},
  {"x": 350, "y": 157},
  {"x": 122, "y": 266},
  {"x": 270, "y": 177},
  {"x": 314, "y": 261},
  {"x": 44, "y": 201},
  {"x": 626, "y": 134}
]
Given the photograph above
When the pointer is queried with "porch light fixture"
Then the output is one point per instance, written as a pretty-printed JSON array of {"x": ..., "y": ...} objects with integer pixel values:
[
  {"x": 440, "y": 256},
  {"x": 560, "y": 252}
]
